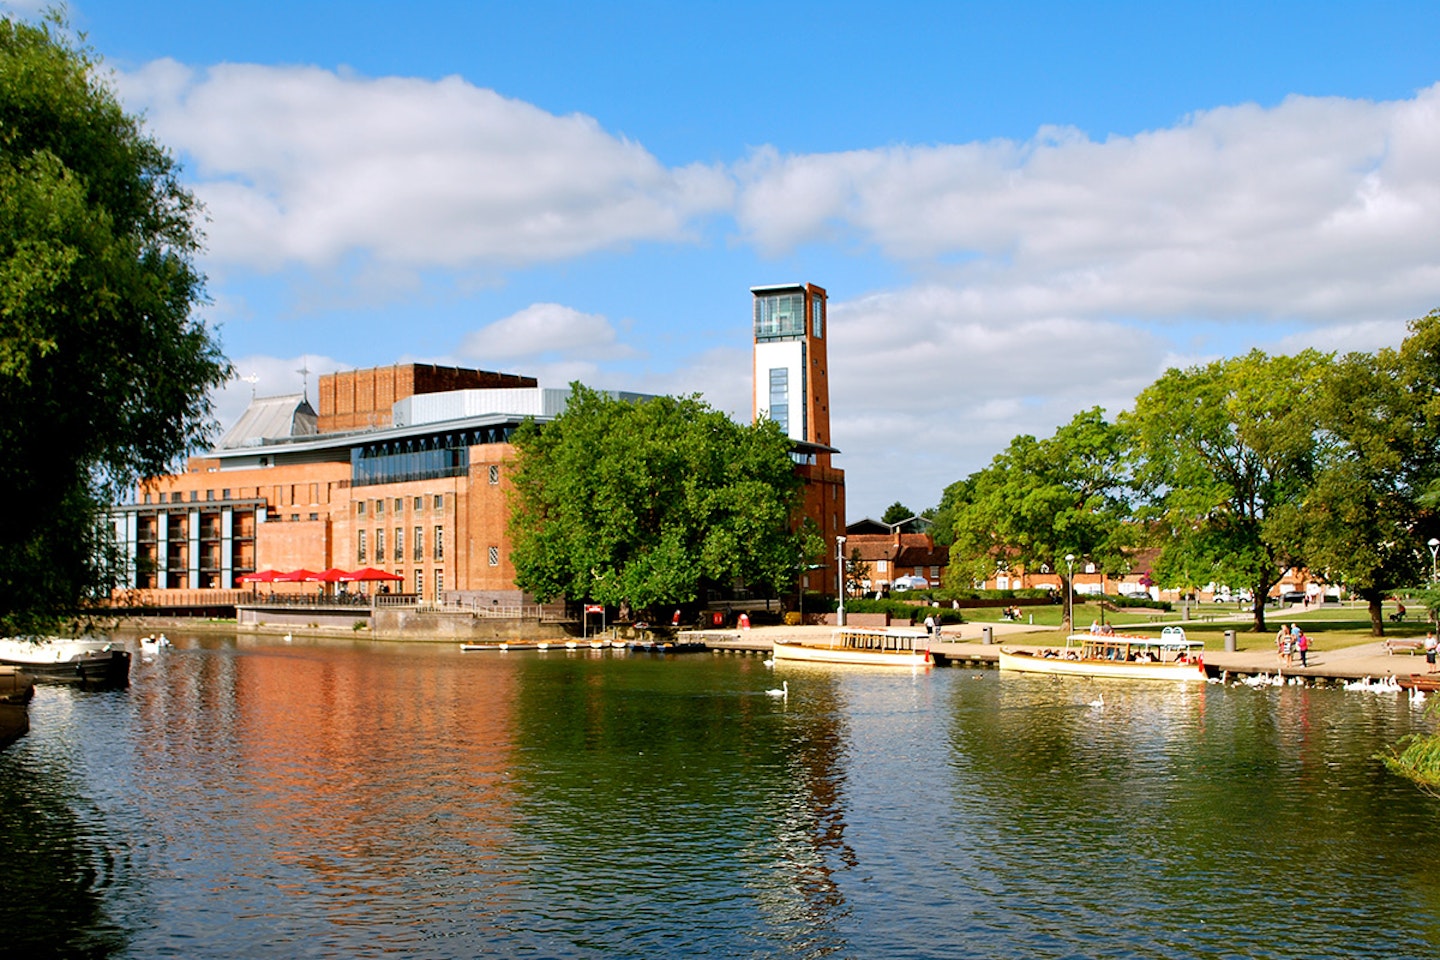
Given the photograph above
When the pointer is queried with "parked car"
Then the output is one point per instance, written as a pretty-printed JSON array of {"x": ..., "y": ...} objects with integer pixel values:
[{"x": 1293, "y": 596}]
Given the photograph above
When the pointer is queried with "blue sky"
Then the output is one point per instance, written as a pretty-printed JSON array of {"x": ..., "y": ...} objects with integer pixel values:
[{"x": 1019, "y": 210}]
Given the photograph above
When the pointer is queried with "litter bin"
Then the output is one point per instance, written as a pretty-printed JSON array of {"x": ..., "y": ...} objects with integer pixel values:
[
  {"x": 987, "y": 634},
  {"x": 1229, "y": 641},
  {"x": 717, "y": 618}
]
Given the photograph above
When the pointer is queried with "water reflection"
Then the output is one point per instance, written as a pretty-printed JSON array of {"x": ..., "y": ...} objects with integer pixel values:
[{"x": 249, "y": 797}]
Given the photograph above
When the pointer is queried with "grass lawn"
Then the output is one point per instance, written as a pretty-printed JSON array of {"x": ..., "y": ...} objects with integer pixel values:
[{"x": 1329, "y": 627}]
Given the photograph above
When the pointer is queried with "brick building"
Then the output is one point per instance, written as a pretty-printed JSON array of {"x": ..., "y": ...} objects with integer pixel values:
[{"x": 405, "y": 469}]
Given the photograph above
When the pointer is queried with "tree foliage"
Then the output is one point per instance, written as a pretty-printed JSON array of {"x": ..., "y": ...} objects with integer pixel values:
[
  {"x": 1041, "y": 500},
  {"x": 645, "y": 502},
  {"x": 1225, "y": 454},
  {"x": 104, "y": 370},
  {"x": 896, "y": 512}
]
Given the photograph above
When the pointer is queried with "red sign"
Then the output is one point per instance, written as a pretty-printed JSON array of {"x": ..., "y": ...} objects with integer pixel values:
[{"x": 594, "y": 608}]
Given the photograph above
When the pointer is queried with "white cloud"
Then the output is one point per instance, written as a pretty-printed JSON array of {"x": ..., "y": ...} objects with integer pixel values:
[
  {"x": 545, "y": 329},
  {"x": 1315, "y": 208},
  {"x": 305, "y": 165}
]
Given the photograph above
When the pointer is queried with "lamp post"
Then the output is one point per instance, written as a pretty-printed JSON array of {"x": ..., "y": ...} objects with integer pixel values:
[
  {"x": 840, "y": 579},
  {"x": 1434, "y": 546},
  {"x": 1070, "y": 591}
]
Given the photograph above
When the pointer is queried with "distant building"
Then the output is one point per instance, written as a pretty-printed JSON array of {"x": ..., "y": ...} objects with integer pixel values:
[{"x": 887, "y": 553}]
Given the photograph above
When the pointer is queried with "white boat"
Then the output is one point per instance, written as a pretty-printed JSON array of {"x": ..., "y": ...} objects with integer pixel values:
[
  {"x": 65, "y": 660},
  {"x": 889, "y": 648},
  {"x": 1167, "y": 657}
]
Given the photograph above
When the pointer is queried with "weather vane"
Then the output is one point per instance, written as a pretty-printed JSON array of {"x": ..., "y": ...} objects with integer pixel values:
[{"x": 304, "y": 372}]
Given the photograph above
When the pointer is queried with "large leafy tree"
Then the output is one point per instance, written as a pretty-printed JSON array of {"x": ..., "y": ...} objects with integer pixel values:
[
  {"x": 1362, "y": 523},
  {"x": 104, "y": 369},
  {"x": 645, "y": 502},
  {"x": 1226, "y": 454},
  {"x": 1040, "y": 500}
]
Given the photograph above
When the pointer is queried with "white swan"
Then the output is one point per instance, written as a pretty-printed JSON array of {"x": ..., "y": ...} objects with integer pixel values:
[
  {"x": 1099, "y": 701},
  {"x": 769, "y": 663},
  {"x": 782, "y": 691}
]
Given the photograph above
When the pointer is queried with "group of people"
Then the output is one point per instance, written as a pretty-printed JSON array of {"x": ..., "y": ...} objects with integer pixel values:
[
  {"x": 1099, "y": 629},
  {"x": 1290, "y": 641}
]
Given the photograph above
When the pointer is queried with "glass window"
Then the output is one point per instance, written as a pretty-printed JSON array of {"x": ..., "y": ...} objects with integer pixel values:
[
  {"x": 779, "y": 316},
  {"x": 379, "y": 546},
  {"x": 439, "y": 583},
  {"x": 780, "y": 397},
  {"x": 494, "y": 473},
  {"x": 399, "y": 543},
  {"x": 419, "y": 546},
  {"x": 439, "y": 501},
  {"x": 419, "y": 504},
  {"x": 194, "y": 496},
  {"x": 360, "y": 545},
  {"x": 494, "y": 556},
  {"x": 419, "y": 582},
  {"x": 360, "y": 508},
  {"x": 209, "y": 494},
  {"x": 817, "y": 322},
  {"x": 439, "y": 546},
  {"x": 225, "y": 494},
  {"x": 379, "y": 508},
  {"x": 399, "y": 506}
]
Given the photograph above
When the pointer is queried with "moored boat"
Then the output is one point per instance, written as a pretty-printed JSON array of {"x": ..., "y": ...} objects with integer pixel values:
[
  {"x": 65, "y": 660},
  {"x": 1424, "y": 682},
  {"x": 1167, "y": 657},
  {"x": 888, "y": 648}
]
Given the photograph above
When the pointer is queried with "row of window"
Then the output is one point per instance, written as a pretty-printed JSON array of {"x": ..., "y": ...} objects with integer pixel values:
[
  {"x": 417, "y": 545},
  {"x": 178, "y": 497},
  {"x": 377, "y": 507}
]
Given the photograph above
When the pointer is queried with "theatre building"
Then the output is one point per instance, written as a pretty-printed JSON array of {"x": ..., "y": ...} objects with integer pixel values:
[{"x": 406, "y": 469}]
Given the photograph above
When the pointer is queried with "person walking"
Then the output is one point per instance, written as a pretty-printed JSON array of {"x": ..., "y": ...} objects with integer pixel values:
[{"x": 1303, "y": 645}]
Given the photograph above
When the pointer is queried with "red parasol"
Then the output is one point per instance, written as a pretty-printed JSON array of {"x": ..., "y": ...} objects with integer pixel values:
[
  {"x": 369, "y": 573},
  {"x": 260, "y": 576},
  {"x": 296, "y": 576},
  {"x": 333, "y": 575}
]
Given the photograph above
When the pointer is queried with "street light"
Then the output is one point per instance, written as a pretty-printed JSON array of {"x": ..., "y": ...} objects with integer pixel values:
[
  {"x": 1070, "y": 590},
  {"x": 1434, "y": 552},
  {"x": 840, "y": 579}
]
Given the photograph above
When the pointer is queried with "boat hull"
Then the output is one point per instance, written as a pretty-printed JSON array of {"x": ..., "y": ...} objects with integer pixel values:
[
  {"x": 1424, "y": 682},
  {"x": 825, "y": 653},
  {"x": 1021, "y": 661},
  {"x": 80, "y": 662}
]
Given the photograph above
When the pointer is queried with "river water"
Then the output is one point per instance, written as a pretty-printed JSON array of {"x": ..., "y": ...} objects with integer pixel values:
[{"x": 251, "y": 798}]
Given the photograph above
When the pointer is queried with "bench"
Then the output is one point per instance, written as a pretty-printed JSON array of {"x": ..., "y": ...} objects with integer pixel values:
[{"x": 1409, "y": 646}]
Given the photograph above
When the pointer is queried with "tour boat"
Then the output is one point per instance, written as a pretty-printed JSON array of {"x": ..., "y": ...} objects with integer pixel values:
[
  {"x": 890, "y": 648},
  {"x": 61, "y": 660},
  {"x": 1168, "y": 657}
]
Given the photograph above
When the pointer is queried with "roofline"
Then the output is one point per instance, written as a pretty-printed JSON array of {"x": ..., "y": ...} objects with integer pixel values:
[{"x": 329, "y": 441}]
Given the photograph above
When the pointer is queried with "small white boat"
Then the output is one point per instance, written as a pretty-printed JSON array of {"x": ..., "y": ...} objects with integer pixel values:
[
  {"x": 887, "y": 648},
  {"x": 1167, "y": 657}
]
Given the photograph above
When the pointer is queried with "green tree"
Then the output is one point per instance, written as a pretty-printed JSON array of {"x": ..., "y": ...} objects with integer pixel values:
[
  {"x": 1362, "y": 522},
  {"x": 896, "y": 512},
  {"x": 1225, "y": 456},
  {"x": 104, "y": 369},
  {"x": 646, "y": 502},
  {"x": 1041, "y": 500}
]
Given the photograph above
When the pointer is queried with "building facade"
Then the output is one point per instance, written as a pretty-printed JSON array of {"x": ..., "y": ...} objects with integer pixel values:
[
  {"x": 792, "y": 388},
  {"x": 406, "y": 469}
]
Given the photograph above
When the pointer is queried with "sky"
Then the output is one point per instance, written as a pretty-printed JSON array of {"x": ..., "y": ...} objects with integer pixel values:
[{"x": 1019, "y": 210}]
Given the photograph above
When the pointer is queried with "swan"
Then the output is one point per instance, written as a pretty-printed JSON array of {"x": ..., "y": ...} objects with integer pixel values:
[
  {"x": 288, "y": 638},
  {"x": 782, "y": 691},
  {"x": 1099, "y": 701},
  {"x": 769, "y": 663}
]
